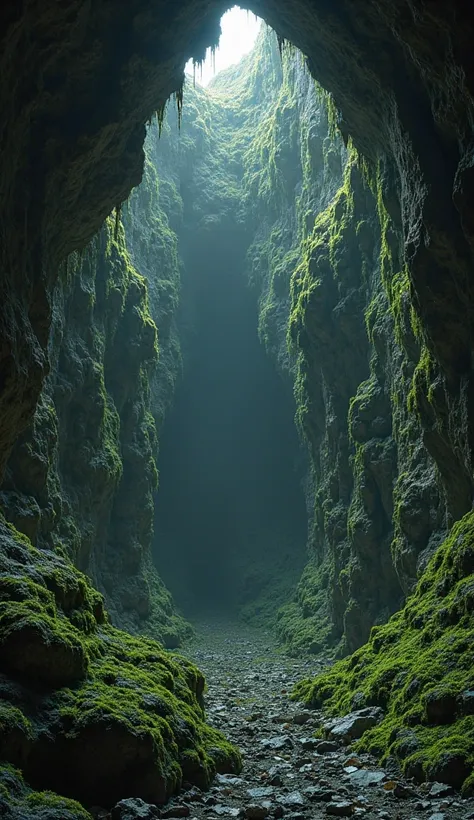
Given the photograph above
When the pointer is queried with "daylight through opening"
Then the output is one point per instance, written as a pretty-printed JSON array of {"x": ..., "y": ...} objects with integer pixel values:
[{"x": 230, "y": 517}]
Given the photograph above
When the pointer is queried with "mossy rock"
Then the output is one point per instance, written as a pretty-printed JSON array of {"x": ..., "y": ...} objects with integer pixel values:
[
  {"x": 18, "y": 801},
  {"x": 89, "y": 711},
  {"x": 303, "y": 625},
  {"x": 35, "y": 645},
  {"x": 418, "y": 668}
]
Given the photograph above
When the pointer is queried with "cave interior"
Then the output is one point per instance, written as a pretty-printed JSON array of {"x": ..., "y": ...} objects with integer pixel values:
[{"x": 235, "y": 372}]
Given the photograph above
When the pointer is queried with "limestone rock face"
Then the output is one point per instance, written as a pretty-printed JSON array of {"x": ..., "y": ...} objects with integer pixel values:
[
  {"x": 379, "y": 297},
  {"x": 323, "y": 258}
]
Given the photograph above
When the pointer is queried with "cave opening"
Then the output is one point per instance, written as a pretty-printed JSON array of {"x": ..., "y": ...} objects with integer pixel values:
[{"x": 230, "y": 513}]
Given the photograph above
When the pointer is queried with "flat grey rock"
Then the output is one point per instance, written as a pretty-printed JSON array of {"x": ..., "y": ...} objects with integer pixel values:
[
  {"x": 353, "y": 725},
  {"x": 278, "y": 742},
  {"x": 260, "y": 792},
  {"x": 366, "y": 777},
  {"x": 291, "y": 800}
]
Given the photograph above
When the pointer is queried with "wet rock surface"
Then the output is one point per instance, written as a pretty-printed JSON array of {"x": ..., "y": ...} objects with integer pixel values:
[{"x": 288, "y": 772}]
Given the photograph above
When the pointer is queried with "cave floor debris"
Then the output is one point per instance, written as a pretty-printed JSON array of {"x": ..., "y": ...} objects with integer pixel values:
[{"x": 285, "y": 773}]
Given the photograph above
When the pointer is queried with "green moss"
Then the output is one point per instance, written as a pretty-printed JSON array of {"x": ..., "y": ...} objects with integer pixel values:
[
  {"x": 423, "y": 656},
  {"x": 394, "y": 268},
  {"x": 468, "y": 786},
  {"x": 130, "y": 700},
  {"x": 421, "y": 390},
  {"x": 18, "y": 800},
  {"x": 304, "y": 625},
  {"x": 43, "y": 802},
  {"x": 332, "y": 238},
  {"x": 15, "y": 730}
]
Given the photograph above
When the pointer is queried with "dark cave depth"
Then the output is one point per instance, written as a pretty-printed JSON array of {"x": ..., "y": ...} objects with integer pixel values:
[{"x": 230, "y": 521}]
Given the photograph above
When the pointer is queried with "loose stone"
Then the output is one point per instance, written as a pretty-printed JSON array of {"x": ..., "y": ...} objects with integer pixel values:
[
  {"x": 256, "y": 812},
  {"x": 341, "y": 809}
]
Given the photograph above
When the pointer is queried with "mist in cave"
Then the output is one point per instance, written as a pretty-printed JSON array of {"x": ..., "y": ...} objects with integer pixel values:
[{"x": 230, "y": 521}]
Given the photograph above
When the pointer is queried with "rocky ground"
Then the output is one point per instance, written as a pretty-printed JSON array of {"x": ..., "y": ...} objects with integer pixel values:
[{"x": 288, "y": 772}]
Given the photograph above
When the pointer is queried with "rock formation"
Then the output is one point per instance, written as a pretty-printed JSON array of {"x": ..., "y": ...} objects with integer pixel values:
[{"x": 355, "y": 207}]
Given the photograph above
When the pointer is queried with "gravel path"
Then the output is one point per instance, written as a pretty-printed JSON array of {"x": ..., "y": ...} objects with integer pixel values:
[{"x": 287, "y": 773}]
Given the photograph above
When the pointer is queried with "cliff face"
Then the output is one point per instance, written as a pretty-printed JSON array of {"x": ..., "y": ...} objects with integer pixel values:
[
  {"x": 401, "y": 77},
  {"x": 230, "y": 530},
  {"x": 81, "y": 477}
]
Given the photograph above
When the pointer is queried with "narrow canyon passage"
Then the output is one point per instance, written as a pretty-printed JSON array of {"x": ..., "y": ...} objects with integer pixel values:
[{"x": 230, "y": 519}]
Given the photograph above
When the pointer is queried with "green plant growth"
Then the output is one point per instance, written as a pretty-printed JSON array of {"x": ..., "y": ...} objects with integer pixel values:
[
  {"x": 119, "y": 715},
  {"x": 18, "y": 800},
  {"x": 304, "y": 624},
  {"x": 418, "y": 668}
]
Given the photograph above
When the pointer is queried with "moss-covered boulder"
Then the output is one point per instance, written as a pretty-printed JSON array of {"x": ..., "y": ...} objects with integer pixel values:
[
  {"x": 18, "y": 801},
  {"x": 419, "y": 669},
  {"x": 86, "y": 710}
]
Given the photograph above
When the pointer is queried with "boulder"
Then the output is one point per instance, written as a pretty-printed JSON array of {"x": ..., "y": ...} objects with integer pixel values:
[
  {"x": 352, "y": 726},
  {"x": 133, "y": 808}
]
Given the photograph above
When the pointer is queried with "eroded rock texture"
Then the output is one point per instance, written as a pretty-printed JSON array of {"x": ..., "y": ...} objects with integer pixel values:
[
  {"x": 81, "y": 477},
  {"x": 380, "y": 303},
  {"x": 400, "y": 75},
  {"x": 260, "y": 169}
]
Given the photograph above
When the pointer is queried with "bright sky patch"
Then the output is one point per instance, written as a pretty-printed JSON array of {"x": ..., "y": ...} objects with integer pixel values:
[{"x": 239, "y": 32}]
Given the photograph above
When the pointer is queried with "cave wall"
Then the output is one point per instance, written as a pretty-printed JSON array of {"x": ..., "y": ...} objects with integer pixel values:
[
  {"x": 78, "y": 82},
  {"x": 329, "y": 264},
  {"x": 81, "y": 477},
  {"x": 230, "y": 529},
  {"x": 401, "y": 76}
]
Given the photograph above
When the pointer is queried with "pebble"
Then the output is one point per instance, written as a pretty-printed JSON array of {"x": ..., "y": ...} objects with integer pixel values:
[
  {"x": 365, "y": 777},
  {"x": 175, "y": 811},
  {"x": 440, "y": 790},
  {"x": 132, "y": 808},
  {"x": 309, "y": 743},
  {"x": 301, "y": 718},
  {"x": 276, "y": 743},
  {"x": 292, "y": 800},
  {"x": 260, "y": 791}
]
